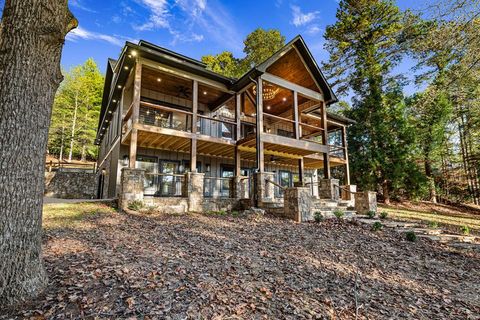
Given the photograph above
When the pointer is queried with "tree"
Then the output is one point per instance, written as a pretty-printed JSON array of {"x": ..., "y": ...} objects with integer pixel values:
[
  {"x": 76, "y": 109},
  {"x": 224, "y": 63},
  {"x": 32, "y": 34},
  {"x": 259, "y": 45},
  {"x": 364, "y": 45}
]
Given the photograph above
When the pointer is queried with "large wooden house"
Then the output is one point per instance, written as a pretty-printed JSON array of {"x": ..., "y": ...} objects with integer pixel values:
[{"x": 169, "y": 115}]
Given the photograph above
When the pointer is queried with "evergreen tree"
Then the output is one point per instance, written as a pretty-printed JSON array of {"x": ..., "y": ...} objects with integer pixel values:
[{"x": 364, "y": 45}]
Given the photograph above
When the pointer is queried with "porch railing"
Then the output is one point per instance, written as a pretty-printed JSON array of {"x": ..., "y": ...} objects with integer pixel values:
[
  {"x": 70, "y": 167},
  {"x": 164, "y": 185},
  {"x": 216, "y": 187}
]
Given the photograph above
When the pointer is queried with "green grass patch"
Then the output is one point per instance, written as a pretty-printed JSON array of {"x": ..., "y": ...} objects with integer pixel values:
[
  {"x": 71, "y": 215},
  {"x": 431, "y": 218}
]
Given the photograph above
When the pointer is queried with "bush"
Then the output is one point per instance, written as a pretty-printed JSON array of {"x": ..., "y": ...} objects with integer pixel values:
[
  {"x": 377, "y": 226},
  {"x": 371, "y": 214},
  {"x": 465, "y": 230},
  {"x": 339, "y": 213},
  {"x": 135, "y": 205},
  {"x": 433, "y": 224},
  {"x": 383, "y": 215},
  {"x": 318, "y": 217},
  {"x": 411, "y": 236}
]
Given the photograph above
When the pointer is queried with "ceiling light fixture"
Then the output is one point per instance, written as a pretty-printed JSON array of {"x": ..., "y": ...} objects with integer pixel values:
[
  {"x": 205, "y": 93},
  {"x": 126, "y": 67},
  {"x": 269, "y": 91},
  {"x": 159, "y": 80},
  {"x": 268, "y": 107},
  {"x": 134, "y": 53},
  {"x": 119, "y": 87},
  {"x": 284, "y": 99}
]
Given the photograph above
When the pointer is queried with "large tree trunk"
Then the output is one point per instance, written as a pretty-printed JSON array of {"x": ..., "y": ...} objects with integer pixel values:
[
  {"x": 32, "y": 34},
  {"x": 386, "y": 192}
]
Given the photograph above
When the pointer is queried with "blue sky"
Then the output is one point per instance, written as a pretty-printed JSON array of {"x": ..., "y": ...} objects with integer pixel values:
[{"x": 196, "y": 27}]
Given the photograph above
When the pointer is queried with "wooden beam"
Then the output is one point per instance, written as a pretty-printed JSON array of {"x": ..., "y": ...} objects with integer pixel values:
[
  {"x": 293, "y": 143},
  {"x": 193, "y": 142},
  {"x": 137, "y": 92},
  {"x": 238, "y": 162},
  {"x": 296, "y": 116},
  {"x": 345, "y": 146},
  {"x": 293, "y": 86},
  {"x": 238, "y": 113},
  {"x": 193, "y": 155},
  {"x": 326, "y": 155},
  {"x": 133, "y": 148},
  {"x": 301, "y": 171},
  {"x": 270, "y": 152},
  {"x": 260, "y": 151}
]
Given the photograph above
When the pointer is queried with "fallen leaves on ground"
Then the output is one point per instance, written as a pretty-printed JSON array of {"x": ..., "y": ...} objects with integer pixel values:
[{"x": 219, "y": 267}]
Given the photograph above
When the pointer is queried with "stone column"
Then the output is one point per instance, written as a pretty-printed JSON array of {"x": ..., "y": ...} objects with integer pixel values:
[
  {"x": 328, "y": 189},
  {"x": 365, "y": 202},
  {"x": 298, "y": 204},
  {"x": 131, "y": 186},
  {"x": 238, "y": 187},
  {"x": 264, "y": 192},
  {"x": 194, "y": 191}
]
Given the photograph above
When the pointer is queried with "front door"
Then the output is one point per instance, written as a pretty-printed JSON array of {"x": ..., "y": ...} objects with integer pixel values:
[{"x": 285, "y": 180}]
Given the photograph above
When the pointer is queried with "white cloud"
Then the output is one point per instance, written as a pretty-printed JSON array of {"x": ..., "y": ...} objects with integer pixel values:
[
  {"x": 158, "y": 15},
  {"x": 80, "y": 33},
  {"x": 300, "y": 18},
  {"x": 183, "y": 18},
  {"x": 313, "y": 29},
  {"x": 79, "y": 5}
]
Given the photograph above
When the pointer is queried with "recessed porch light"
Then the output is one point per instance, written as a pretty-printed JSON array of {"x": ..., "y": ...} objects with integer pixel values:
[
  {"x": 284, "y": 99},
  {"x": 159, "y": 80},
  {"x": 126, "y": 68},
  {"x": 268, "y": 107},
  {"x": 205, "y": 93},
  {"x": 119, "y": 87},
  {"x": 133, "y": 53},
  {"x": 114, "y": 101}
]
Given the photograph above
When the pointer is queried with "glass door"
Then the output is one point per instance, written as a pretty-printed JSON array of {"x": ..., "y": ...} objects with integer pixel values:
[
  {"x": 285, "y": 180},
  {"x": 150, "y": 165}
]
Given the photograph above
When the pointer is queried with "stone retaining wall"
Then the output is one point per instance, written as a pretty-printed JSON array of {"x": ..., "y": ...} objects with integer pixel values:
[{"x": 70, "y": 185}]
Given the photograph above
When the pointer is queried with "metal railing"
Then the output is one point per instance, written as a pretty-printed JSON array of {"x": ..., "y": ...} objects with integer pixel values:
[
  {"x": 165, "y": 117},
  {"x": 164, "y": 185},
  {"x": 217, "y": 128},
  {"x": 216, "y": 187},
  {"x": 337, "y": 151},
  {"x": 278, "y": 193}
]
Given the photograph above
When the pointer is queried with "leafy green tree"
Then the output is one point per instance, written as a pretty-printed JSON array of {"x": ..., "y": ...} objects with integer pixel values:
[
  {"x": 75, "y": 112},
  {"x": 224, "y": 63},
  {"x": 365, "y": 44},
  {"x": 258, "y": 46}
]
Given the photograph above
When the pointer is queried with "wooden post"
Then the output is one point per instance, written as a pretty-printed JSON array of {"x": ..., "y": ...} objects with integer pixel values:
[
  {"x": 238, "y": 162},
  {"x": 301, "y": 171},
  {"x": 260, "y": 151},
  {"x": 193, "y": 143},
  {"x": 345, "y": 146},
  {"x": 296, "y": 115},
  {"x": 326, "y": 156},
  {"x": 238, "y": 112},
  {"x": 137, "y": 90}
]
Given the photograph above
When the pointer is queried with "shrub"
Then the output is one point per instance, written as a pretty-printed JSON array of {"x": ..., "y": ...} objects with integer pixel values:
[
  {"x": 235, "y": 213},
  {"x": 135, "y": 205},
  {"x": 433, "y": 224},
  {"x": 411, "y": 236},
  {"x": 371, "y": 214},
  {"x": 318, "y": 217},
  {"x": 383, "y": 215},
  {"x": 465, "y": 230},
  {"x": 339, "y": 213},
  {"x": 377, "y": 226}
]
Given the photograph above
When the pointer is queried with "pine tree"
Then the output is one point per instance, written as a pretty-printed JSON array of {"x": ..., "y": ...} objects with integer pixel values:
[{"x": 364, "y": 45}]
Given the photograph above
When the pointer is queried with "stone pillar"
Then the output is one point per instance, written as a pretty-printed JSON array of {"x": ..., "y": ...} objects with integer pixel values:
[
  {"x": 264, "y": 192},
  {"x": 194, "y": 190},
  {"x": 328, "y": 189},
  {"x": 131, "y": 186},
  {"x": 349, "y": 196},
  {"x": 238, "y": 187},
  {"x": 298, "y": 204},
  {"x": 365, "y": 202}
]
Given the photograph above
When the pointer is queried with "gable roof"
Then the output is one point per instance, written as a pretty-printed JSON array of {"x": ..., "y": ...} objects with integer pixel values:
[{"x": 307, "y": 57}]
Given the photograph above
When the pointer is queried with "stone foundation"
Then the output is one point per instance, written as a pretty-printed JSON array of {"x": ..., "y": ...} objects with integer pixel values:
[
  {"x": 298, "y": 204},
  {"x": 328, "y": 189},
  {"x": 131, "y": 186},
  {"x": 194, "y": 191},
  {"x": 225, "y": 204},
  {"x": 265, "y": 191},
  {"x": 170, "y": 205},
  {"x": 70, "y": 184},
  {"x": 365, "y": 202}
]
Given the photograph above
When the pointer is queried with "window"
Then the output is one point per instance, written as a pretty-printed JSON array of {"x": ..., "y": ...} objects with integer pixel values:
[
  {"x": 150, "y": 165},
  {"x": 227, "y": 172}
]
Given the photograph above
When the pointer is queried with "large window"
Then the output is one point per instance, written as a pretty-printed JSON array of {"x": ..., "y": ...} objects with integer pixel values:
[{"x": 150, "y": 165}]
